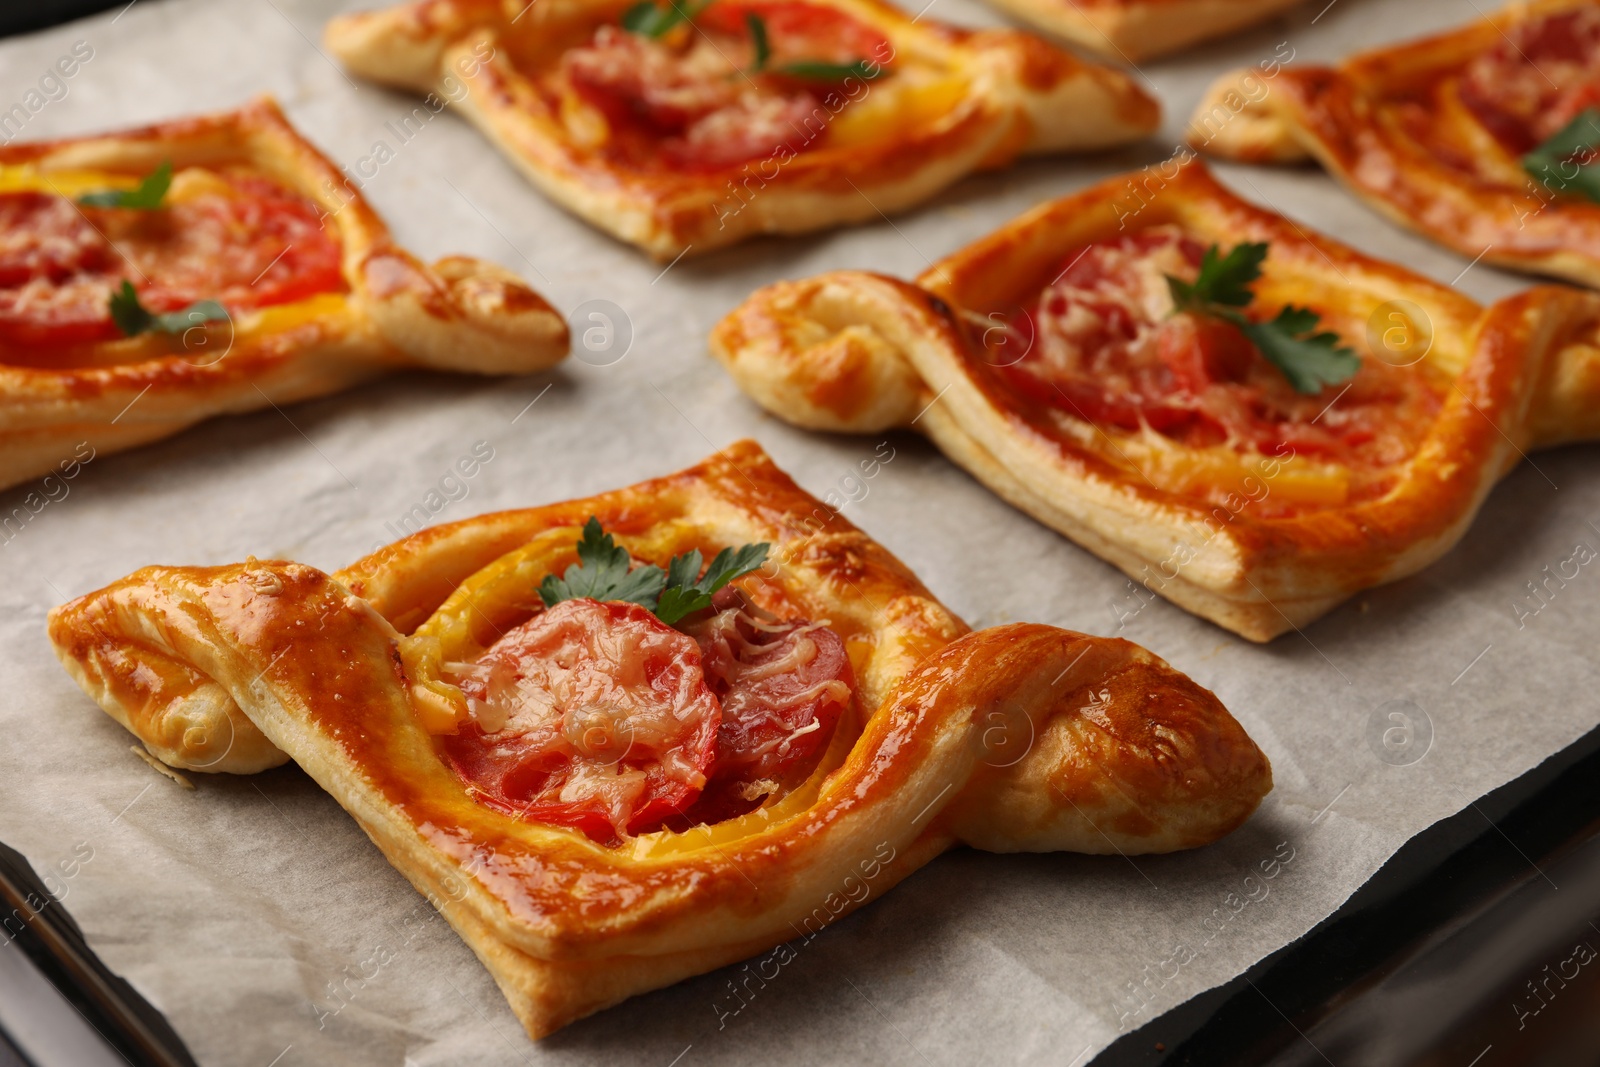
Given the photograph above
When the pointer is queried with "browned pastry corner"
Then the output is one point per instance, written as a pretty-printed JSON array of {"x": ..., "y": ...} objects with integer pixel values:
[
  {"x": 1442, "y": 135},
  {"x": 695, "y": 137},
  {"x": 1047, "y": 361},
  {"x": 309, "y": 292},
  {"x": 1018, "y": 738},
  {"x": 1134, "y": 30}
]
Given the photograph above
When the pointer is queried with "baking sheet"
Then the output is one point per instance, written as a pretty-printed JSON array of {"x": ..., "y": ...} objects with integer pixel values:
[{"x": 260, "y": 919}]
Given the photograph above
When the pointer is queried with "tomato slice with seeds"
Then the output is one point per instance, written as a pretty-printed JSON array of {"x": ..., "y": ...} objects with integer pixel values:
[
  {"x": 250, "y": 243},
  {"x": 241, "y": 239},
  {"x": 1536, "y": 78},
  {"x": 1100, "y": 343},
  {"x": 42, "y": 236},
  {"x": 695, "y": 103},
  {"x": 591, "y": 715},
  {"x": 783, "y": 685}
]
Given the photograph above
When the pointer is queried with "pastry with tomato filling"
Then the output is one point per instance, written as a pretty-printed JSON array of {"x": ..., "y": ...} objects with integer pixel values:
[
  {"x": 154, "y": 278},
  {"x": 599, "y": 716},
  {"x": 1128, "y": 31},
  {"x": 641, "y": 736},
  {"x": 1485, "y": 139},
  {"x": 1251, "y": 420},
  {"x": 686, "y": 127}
]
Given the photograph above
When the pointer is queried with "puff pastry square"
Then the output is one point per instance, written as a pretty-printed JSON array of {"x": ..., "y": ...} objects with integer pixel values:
[
  {"x": 1435, "y": 134},
  {"x": 1258, "y": 522},
  {"x": 334, "y": 300},
  {"x": 1133, "y": 30},
  {"x": 1021, "y": 737},
  {"x": 681, "y": 144}
]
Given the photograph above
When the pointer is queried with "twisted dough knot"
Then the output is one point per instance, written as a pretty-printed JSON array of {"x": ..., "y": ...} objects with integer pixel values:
[{"x": 1016, "y": 738}]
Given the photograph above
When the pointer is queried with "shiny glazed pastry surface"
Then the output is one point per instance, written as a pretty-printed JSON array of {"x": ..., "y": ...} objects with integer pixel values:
[
  {"x": 1354, "y": 486},
  {"x": 1128, "y": 31},
  {"x": 1017, "y": 738},
  {"x": 693, "y": 140},
  {"x": 335, "y": 300}
]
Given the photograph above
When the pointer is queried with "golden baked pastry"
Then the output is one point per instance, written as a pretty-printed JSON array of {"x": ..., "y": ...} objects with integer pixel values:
[
  {"x": 153, "y": 278},
  {"x": 1133, "y": 30},
  {"x": 856, "y": 728},
  {"x": 749, "y": 116},
  {"x": 1473, "y": 138},
  {"x": 1049, "y": 361}
]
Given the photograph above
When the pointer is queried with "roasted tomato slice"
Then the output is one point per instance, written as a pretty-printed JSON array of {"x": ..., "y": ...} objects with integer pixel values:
[
  {"x": 688, "y": 110},
  {"x": 591, "y": 715},
  {"x": 43, "y": 236},
  {"x": 247, "y": 242},
  {"x": 1536, "y": 78},
  {"x": 783, "y": 686},
  {"x": 240, "y": 239},
  {"x": 694, "y": 103},
  {"x": 54, "y": 272}
]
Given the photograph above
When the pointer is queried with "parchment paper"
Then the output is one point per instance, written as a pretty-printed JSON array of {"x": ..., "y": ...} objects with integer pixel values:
[{"x": 260, "y": 919}]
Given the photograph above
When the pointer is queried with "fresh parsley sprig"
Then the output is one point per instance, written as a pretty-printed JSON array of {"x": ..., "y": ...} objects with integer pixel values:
[
  {"x": 759, "y": 41},
  {"x": 133, "y": 318},
  {"x": 146, "y": 196},
  {"x": 1308, "y": 357},
  {"x": 1570, "y": 148},
  {"x": 687, "y": 592},
  {"x": 603, "y": 573},
  {"x": 648, "y": 18},
  {"x": 655, "y": 19}
]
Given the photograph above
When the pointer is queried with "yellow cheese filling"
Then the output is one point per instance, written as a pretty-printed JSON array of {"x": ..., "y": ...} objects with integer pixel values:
[{"x": 1254, "y": 477}]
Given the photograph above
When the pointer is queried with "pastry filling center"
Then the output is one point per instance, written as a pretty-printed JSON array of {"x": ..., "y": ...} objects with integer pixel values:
[
  {"x": 228, "y": 235},
  {"x": 1100, "y": 356},
  {"x": 599, "y": 716},
  {"x": 744, "y": 80},
  {"x": 1539, "y": 75}
]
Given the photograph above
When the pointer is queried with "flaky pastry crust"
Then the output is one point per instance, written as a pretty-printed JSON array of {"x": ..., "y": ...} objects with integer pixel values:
[
  {"x": 1022, "y": 97},
  {"x": 1018, "y": 738},
  {"x": 1134, "y": 30},
  {"x": 857, "y": 352},
  {"x": 460, "y": 314},
  {"x": 1352, "y": 119}
]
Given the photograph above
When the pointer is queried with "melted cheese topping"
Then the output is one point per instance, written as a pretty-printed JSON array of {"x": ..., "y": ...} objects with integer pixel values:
[
  {"x": 1187, "y": 403},
  {"x": 189, "y": 184},
  {"x": 782, "y": 691},
  {"x": 693, "y": 99},
  {"x": 1535, "y": 78}
]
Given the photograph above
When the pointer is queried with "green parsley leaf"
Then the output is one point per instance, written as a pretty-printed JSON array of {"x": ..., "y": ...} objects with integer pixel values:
[
  {"x": 758, "y": 40},
  {"x": 1309, "y": 358},
  {"x": 1222, "y": 279},
  {"x": 687, "y": 592},
  {"x": 146, "y": 196},
  {"x": 602, "y": 573},
  {"x": 1551, "y": 162},
  {"x": 133, "y": 318},
  {"x": 813, "y": 70},
  {"x": 650, "y": 19}
]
